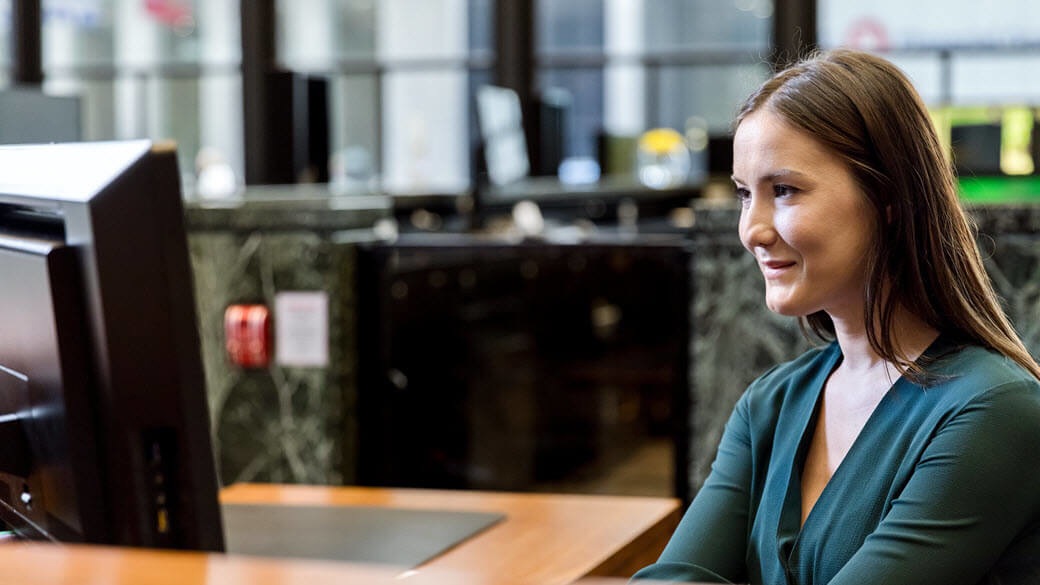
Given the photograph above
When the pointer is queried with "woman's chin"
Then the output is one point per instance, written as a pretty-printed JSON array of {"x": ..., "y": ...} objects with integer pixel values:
[{"x": 781, "y": 307}]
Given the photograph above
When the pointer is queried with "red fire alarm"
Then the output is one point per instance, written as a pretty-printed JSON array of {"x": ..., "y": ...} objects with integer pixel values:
[{"x": 247, "y": 335}]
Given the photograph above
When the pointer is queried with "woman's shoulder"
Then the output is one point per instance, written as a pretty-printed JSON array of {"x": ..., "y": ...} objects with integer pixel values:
[
  {"x": 969, "y": 372},
  {"x": 980, "y": 392}
]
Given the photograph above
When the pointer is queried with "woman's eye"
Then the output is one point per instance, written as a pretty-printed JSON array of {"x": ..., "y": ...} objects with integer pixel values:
[
  {"x": 784, "y": 190},
  {"x": 743, "y": 195}
]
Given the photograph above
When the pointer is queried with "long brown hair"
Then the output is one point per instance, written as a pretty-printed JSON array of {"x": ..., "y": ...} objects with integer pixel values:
[{"x": 925, "y": 255}]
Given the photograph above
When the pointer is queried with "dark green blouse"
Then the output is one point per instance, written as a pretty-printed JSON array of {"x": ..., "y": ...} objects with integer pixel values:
[{"x": 942, "y": 485}]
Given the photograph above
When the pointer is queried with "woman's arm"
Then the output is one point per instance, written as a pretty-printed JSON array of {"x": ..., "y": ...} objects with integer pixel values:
[
  {"x": 710, "y": 543},
  {"x": 975, "y": 489}
]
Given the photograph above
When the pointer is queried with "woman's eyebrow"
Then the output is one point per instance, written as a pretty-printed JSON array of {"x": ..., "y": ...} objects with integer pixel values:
[
  {"x": 773, "y": 176},
  {"x": 782, "y": 174}
]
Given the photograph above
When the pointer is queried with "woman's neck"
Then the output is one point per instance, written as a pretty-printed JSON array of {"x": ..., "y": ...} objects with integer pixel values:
[{"x": 911, "y": 336}]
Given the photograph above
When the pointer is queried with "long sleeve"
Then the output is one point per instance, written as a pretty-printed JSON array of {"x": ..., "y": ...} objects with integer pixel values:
[
  {"x": 710, "y": 542},
  {"x": 968, "y": 513},
  {"x": 941, "y": 487}
]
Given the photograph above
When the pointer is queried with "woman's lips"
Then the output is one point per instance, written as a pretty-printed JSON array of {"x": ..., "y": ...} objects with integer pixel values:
[{"x": 775, "y": 268}]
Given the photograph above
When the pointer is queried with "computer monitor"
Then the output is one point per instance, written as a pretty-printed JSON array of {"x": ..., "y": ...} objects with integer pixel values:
[
  {"x": 977, "y": 148},
  {"x": 500, "y": 115},
  {"x": 29, "y": 115},
  {"x": 104, "y": 424}
]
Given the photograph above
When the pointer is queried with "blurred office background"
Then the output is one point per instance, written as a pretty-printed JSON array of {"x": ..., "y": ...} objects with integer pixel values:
[
  {"x": 401, "y": 74},
  {"x": 382, "y": 94}
]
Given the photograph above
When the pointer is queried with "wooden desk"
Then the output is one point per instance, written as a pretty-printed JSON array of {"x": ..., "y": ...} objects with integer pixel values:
[{"x": 545, "y": 540}]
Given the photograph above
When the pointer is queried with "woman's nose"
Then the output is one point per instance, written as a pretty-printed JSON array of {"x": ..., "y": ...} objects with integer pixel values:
[{"x": 756, "y": 224}]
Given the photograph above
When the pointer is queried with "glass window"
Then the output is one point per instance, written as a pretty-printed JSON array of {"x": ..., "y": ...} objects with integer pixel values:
[
  {"x": 5, "y": 42},
  {"x": 423, "y": 46},
  {"x": 219, "y": 122},
  {"x": 708, "y": 25},
  {"x": 571, "y": 25},
  {"x": 578, "y": 94},
  {"x": 631, "y": 65},
  {"x": 567, "y": 36},
  {"x": 967, "y": 54},
  {"x": 701, "y": 101},
  {"x": 160, "y": 70},
  {"x": 926, "y": 73},
  {"x": 315, "y": 34},
  {"x": 995, "y": 78},
  {"x": 354, "y": 125},
  {"x": 398, "y": 82},
  {"x": 481, "y": 25},
  {"x": 77, "y": 34},
  {"x": 337, "y": 39},
  {"x": 971, "y": 62},
  {"x": 898, "y": 25},
  {"x": 709, "y": 56},
  {"x": 707, "y": 94},
  {"x": 424, "y": 124}
]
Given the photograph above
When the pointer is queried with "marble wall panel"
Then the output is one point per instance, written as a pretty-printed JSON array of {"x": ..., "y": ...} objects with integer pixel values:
[
  {"x": 734, "y": 337},
  {"x": 279, "y": 424}
]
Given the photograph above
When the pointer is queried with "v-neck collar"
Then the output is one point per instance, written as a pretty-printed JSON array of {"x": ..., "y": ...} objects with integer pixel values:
[{"x": 790, "y": 528}]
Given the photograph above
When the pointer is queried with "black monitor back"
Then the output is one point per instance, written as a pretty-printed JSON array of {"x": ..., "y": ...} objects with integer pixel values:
[{"x": 102, "y": 385}]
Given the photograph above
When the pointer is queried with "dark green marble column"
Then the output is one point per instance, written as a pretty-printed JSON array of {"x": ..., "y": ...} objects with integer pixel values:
[{"x": 279, "y": 423}]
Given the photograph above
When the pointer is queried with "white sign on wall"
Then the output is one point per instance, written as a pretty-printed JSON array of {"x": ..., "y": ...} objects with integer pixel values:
[{"x": 301, "y": 328}]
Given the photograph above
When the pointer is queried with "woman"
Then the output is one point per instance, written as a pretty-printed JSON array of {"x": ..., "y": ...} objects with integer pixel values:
[{"x": 905, "y": 451}]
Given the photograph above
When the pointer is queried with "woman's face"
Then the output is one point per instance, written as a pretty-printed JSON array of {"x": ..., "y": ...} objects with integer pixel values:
[{"x": 803, "y": 217}]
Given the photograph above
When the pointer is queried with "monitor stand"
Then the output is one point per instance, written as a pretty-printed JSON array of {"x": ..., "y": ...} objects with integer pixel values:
[{"x": 363, "y": 534}]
